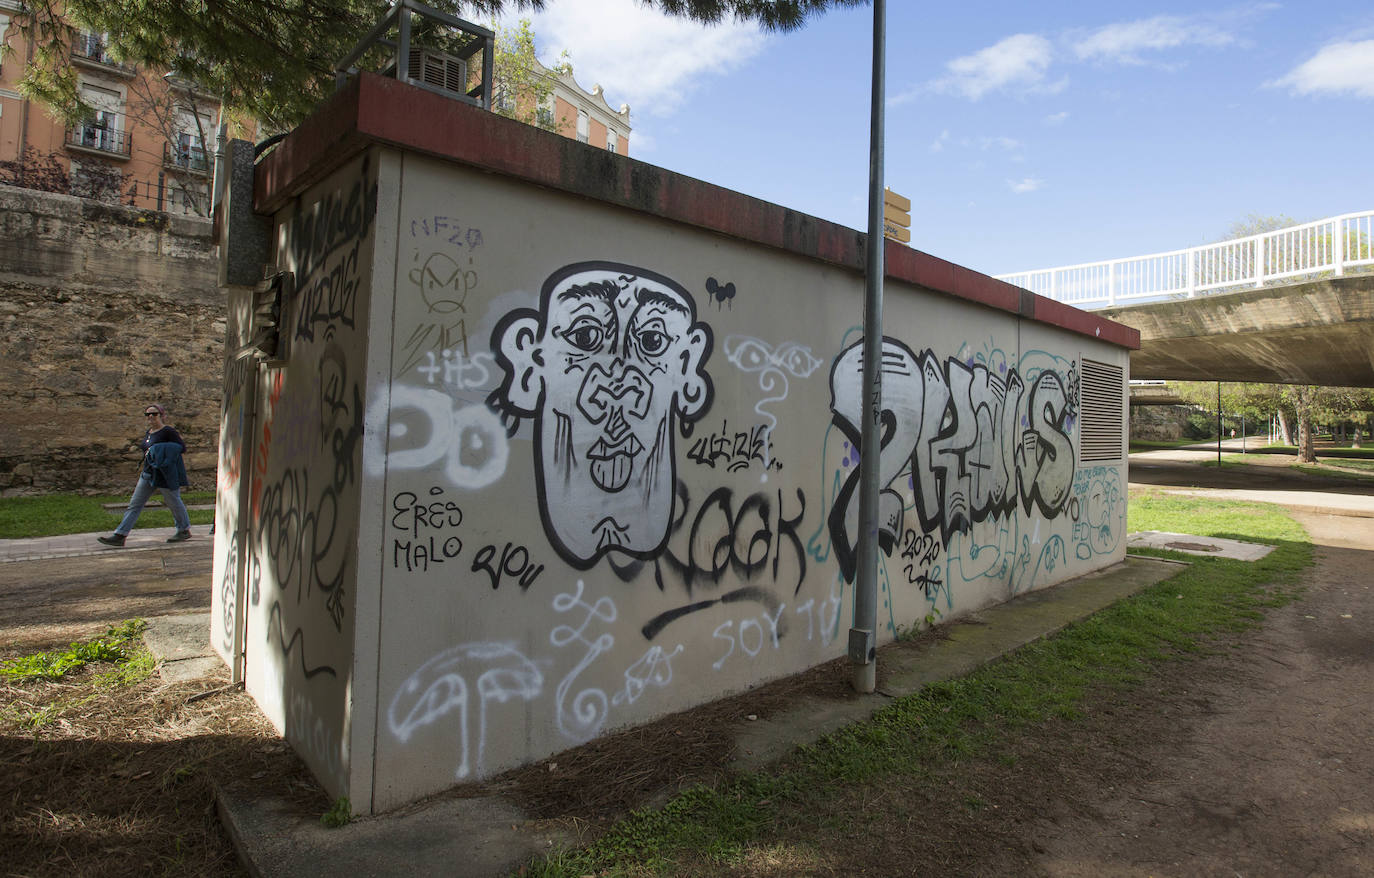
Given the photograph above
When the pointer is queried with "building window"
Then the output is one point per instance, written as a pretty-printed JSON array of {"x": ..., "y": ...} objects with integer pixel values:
[
  {"x": 90, "y": 45},
  {"x": 612, "y": 141},
  {"x": 189, "y": 152},
  {"x": 582, "y": 125},
  {"x": 543, "y": 117}
]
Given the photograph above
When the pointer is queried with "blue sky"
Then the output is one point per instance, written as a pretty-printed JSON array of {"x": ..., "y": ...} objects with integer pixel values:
[{"x": 1026, "y": 135}]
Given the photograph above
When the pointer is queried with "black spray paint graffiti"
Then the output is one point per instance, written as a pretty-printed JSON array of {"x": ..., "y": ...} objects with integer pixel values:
[
  {"x": 297, "y": 515},
  {"x": 974, "y": 444},
  {"x": 300, "y": 527},
  {"x": 445, "y": 278},
  {"x": 721, "y": 294},
  {"x": 610, "y": 367},
  {"x": 735, "y": 451},
  {"x": 756, "y": 539},
  {"x": 339, "y": 220},
  {"x": 424, "y": 533},
  {"x": 228, "y": 592},
  {"x": 750, "y": 540}
]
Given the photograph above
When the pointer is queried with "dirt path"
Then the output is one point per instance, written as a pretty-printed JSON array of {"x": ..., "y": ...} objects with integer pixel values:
[
  {"x": 51, "y": 602},
  {"x": 1265, "y": 765}
]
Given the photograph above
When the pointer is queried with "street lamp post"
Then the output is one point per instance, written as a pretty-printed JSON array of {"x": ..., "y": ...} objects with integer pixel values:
[{"x": 863, "y": 634}]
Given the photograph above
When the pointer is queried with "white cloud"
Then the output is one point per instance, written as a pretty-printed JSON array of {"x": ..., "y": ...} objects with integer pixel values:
[
  {"x": 1024, "y": 185},
  {"x": 1017, "y": 63},
  {"x": 1123, "y": 42},
  {"x": 641, "y": 57},
  {"x": 1057, "y": 118},
  {"x": 999, "y": 142},
  {"x": 1337, "y": 68},
  {"x": 939, "y": 142}
]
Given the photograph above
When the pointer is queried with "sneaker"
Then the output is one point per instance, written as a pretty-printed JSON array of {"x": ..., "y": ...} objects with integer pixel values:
[
  {"x": 177, "y": 537},
  {"x": 112, "y": 540}
]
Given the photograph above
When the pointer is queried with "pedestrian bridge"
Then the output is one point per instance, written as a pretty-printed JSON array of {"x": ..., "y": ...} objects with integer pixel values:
[{"x": 1292, "y": 306}]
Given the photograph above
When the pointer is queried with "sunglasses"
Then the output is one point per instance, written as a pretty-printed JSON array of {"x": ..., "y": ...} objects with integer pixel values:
[{"x": 150, "y": 414}]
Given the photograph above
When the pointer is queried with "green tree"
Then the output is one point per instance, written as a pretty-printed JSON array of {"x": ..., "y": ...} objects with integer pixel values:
[
  {"x": 274, "y": 60},
  {"x": 1298, "y": 407},
  {"x": 521, "y": 86}
]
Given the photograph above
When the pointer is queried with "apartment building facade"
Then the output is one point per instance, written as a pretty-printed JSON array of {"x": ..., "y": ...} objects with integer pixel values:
[
  {"x": 148, "y": 143},
  {"x": 572, "y": 111},
  {"x": 587, "y": 117}
]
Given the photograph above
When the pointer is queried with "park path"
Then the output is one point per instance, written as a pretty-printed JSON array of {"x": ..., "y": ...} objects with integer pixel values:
[{"x": 1265, "y": 765}]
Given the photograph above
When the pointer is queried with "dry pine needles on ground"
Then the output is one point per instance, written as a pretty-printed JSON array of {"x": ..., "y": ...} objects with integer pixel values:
[{"x": 118, "y": 779}]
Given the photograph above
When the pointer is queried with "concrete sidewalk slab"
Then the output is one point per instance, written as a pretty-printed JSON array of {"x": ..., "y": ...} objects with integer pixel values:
[
  {"x": 492, "y": 836},
  {"x": 181, "y": 644},
  {"x": 1191, "y": 545}
]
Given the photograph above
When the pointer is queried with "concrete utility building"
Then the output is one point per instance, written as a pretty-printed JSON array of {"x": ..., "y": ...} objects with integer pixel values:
[{"x": 553, "y": 442}]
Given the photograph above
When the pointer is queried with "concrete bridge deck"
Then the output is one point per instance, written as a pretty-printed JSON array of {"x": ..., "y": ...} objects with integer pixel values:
[{"x": 1315, "y": 332}]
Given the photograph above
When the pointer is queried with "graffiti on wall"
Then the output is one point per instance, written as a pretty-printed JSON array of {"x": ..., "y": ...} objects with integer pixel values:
[
  {"x": 308, "y": 439},
  {"x": 325, "y": 246},
  {"x": 772, "y": 364},
  {"x": 439, "y": 688},
  {"x": 607, "y": 379},
  {"x": 610, "y": 367},
  {"x": 444, "y": 271},
  {"x": 972, "y": 444}
]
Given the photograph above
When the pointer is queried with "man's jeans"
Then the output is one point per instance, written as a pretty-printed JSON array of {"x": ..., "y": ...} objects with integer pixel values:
[{"x": 170, "y": 496}]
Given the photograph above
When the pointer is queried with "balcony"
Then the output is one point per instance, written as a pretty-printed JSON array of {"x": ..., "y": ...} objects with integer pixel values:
[
  {"x": 186, "y": 158},
  {"x": 96, "y": 138},
  {"x": 91, "y": 49}
]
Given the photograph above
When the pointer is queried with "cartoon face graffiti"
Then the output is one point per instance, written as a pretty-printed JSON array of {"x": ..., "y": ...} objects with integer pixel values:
[{"x": 609, "y": 367}]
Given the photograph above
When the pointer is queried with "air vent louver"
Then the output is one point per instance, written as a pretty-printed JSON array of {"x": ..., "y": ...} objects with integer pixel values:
[{"x": 1101, "y": 433}]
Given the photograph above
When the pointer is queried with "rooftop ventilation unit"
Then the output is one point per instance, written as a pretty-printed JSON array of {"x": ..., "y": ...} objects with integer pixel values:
[
  {"x": 438, "y": 70},
  {"x": 463, "y": 72}
]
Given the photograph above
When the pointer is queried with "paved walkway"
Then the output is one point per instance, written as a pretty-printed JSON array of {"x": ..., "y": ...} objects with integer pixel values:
[
  {"x": 74, "y": 545},
  {"x": 1264, "y": 478}
]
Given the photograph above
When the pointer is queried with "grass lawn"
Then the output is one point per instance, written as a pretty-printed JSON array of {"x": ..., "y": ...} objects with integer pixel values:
[
  {"x": 1335, "y": 468},
  {"x": 55, "y": 514},
  {"x": 742, "y": 821},
  {"x": 1340, "y": 452}
]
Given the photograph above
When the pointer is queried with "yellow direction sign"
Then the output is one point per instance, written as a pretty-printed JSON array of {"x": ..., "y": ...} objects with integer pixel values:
[{"x": 896, "y": 216}]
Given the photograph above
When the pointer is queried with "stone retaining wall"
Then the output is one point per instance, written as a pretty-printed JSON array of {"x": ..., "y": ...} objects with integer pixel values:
[{"x": 103, "y": 310}]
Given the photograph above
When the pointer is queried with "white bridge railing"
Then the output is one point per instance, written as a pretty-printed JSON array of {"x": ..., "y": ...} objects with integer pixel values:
[{"x": 1328, "y": 247}]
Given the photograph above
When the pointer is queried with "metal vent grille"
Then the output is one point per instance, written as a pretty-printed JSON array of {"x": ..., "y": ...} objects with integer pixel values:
[
  {"x": 437, "y": 69},
  {"x": 1102, "y": 433}
]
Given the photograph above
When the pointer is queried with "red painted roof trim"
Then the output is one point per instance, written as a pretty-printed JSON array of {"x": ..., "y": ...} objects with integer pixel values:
[{"x": 373, "y": 109}]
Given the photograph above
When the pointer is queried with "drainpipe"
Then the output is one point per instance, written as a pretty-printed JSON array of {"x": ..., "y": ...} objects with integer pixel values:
[{"x": 863, "y": 634}]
